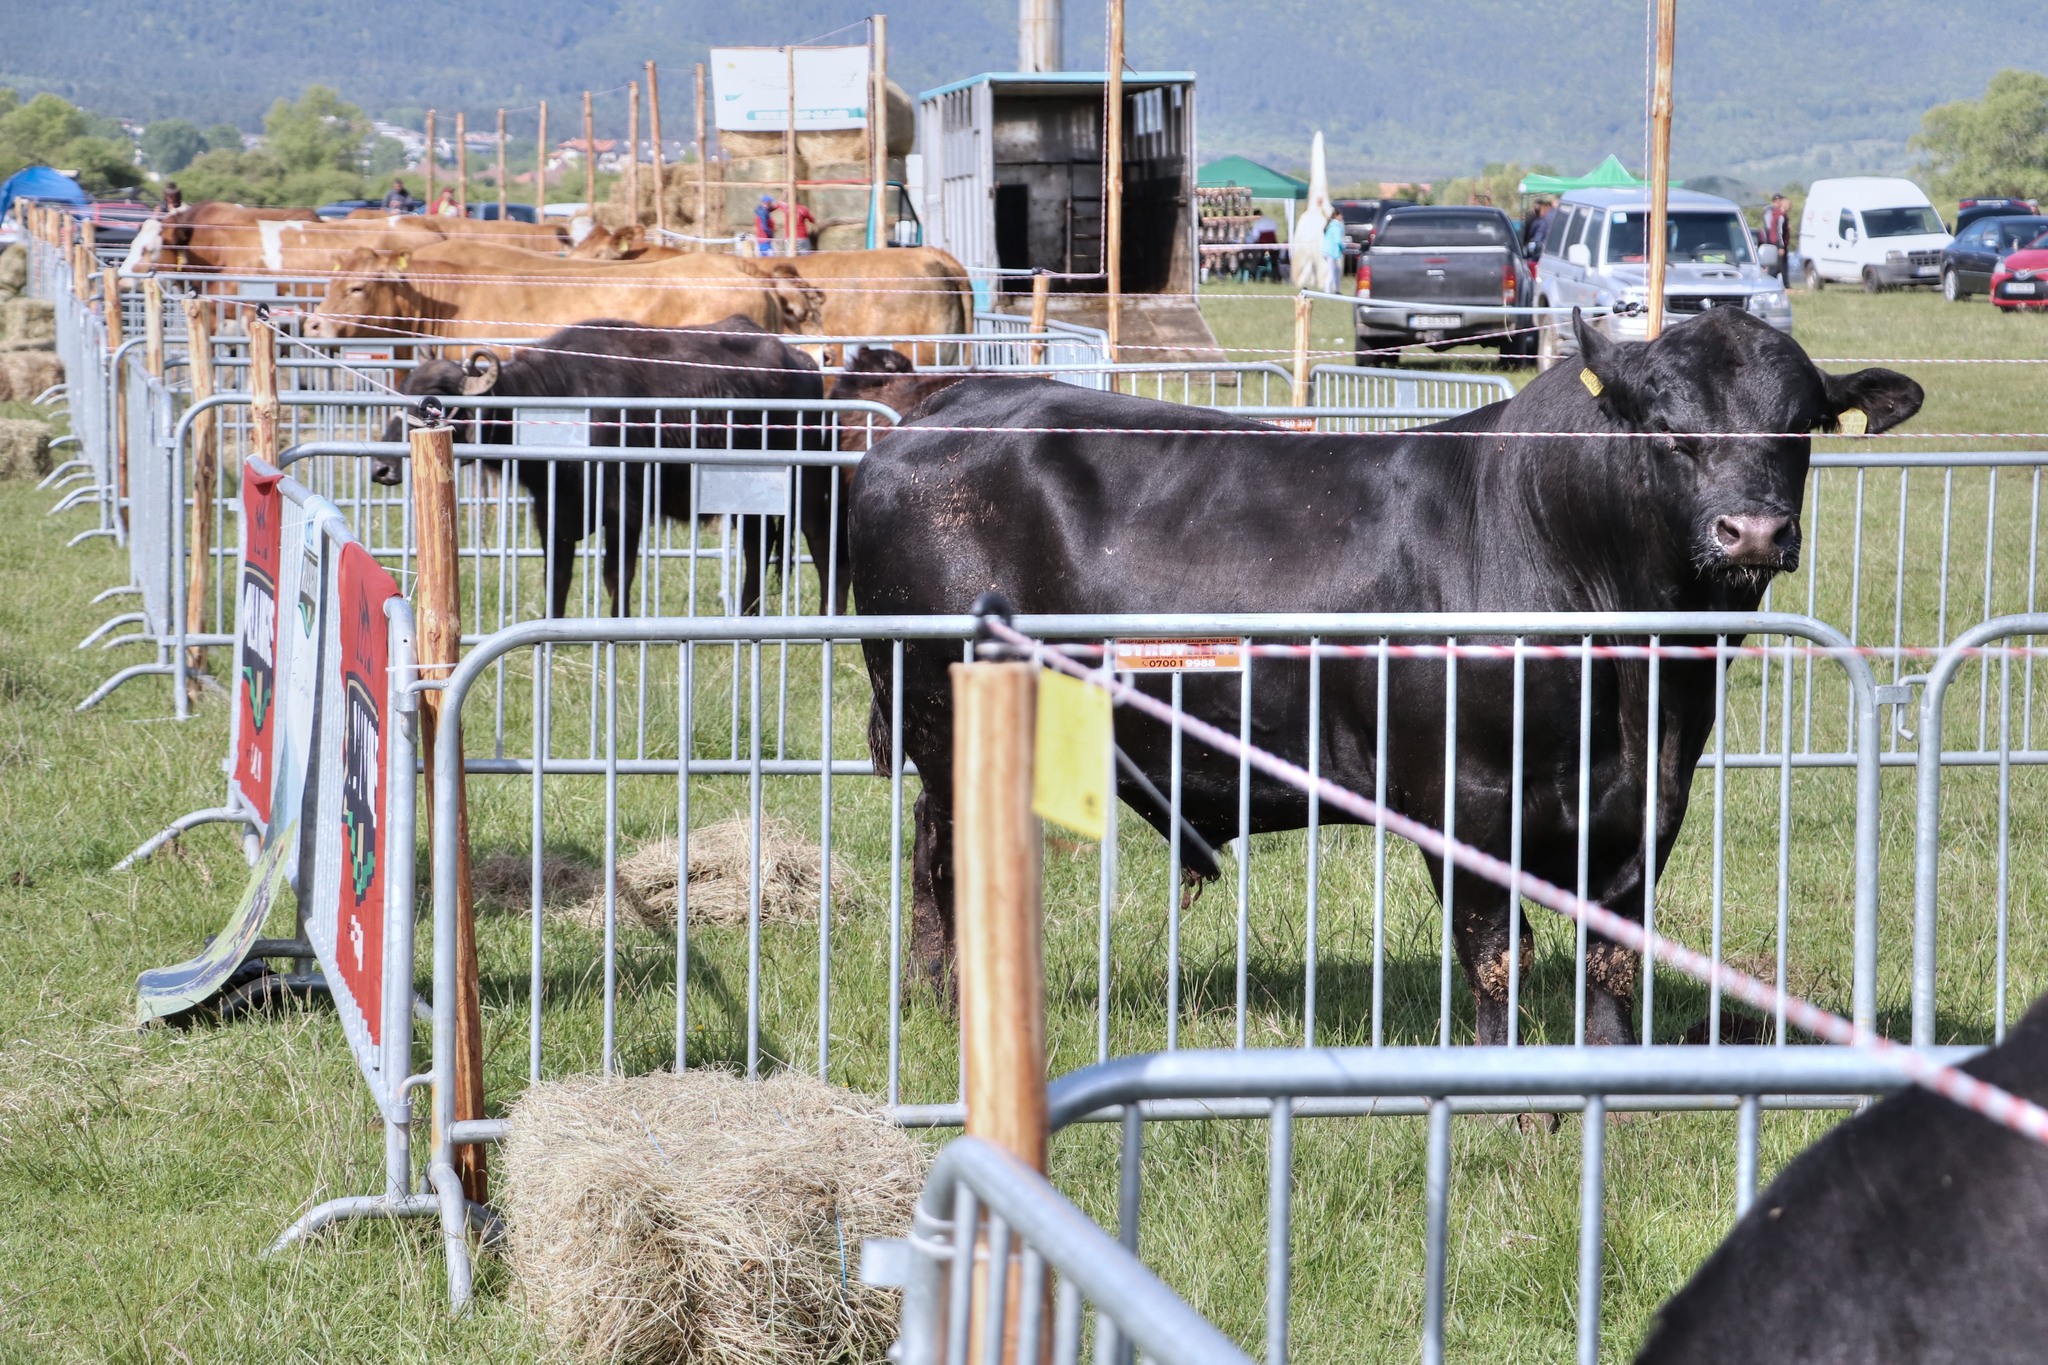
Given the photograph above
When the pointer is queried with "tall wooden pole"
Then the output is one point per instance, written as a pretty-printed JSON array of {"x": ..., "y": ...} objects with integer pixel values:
[
  {"x": 703, "y": 168},
  {"x": 1660, "y": 160},
  {"x": 437, "y": 601},
  {"x": 878, "y": 135},
  {"x": 996, "y": 856},
  {"x": 501, "y": 165},
  {"x": 789, "y": 157},
  {"x": 589, "y": 158},
  {"x": 633, "y": 149},
  {"x": 1041, "y": 292},
  {"x": 205, "y": 471},
  {"x": 1113, "y": 159},
  {"x": 461, "y": 166},
  {"x": 654, "y": 152},
  {"x": 540, "y": 167},
  {"x": 1304, "y": 312},
  {"x": 433, "y": 157},
  {"x": 153, "y": 326}
]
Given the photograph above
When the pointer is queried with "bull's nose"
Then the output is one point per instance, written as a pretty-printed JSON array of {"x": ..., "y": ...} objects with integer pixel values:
[{"x": 1755, "y": 541}]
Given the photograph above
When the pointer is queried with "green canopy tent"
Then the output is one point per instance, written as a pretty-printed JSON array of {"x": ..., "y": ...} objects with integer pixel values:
[
  {"x": 1242, "y": 172},
  {"x": 1608, "y": 175}
]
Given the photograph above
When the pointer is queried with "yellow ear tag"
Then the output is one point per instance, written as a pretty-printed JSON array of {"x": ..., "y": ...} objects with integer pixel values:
[
  {"x": 1070, "y": 777},
  {"x": 1854, "y": 422},
  {"x": 404, "y": 260},
  {"x": 1592, "y": 382}
]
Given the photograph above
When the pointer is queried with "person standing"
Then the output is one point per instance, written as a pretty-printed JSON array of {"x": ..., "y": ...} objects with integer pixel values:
[
  {"x": 1775, "y": 234},
  {"x": 174, "y": 198},
  {"x": 1539, "y": 228},
  {"x": 398, "y": 201},
  {"x": 1333, "y": 250},
  {"x": 802, "y": 225},
  {"x": 446, "y": 207},
  {"x": 764, "y": 226}
]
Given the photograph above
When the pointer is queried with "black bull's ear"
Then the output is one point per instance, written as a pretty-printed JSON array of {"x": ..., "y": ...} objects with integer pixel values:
[
  {"x": 1885, "y": 398},
  {"x": 1605, "y": 371}
]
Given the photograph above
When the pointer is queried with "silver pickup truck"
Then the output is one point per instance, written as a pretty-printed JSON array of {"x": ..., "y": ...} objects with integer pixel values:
[
  {"x": 1595, "y": 256},
  {"x": 1428, "y": 268}
]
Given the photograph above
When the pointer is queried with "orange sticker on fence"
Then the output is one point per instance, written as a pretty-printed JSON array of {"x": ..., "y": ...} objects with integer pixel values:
[
  {"x": 1221, "y": 654},
  {"x": 1291, "y": 423}
]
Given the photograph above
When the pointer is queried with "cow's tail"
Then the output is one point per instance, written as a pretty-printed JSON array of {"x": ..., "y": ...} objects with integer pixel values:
[{"x": 878, "y": 724}]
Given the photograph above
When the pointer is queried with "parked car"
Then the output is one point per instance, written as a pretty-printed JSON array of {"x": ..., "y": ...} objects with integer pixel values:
[
  {"x": 1876, "y": 230},
  {"x": 1596, "y": 256},
  {"x": 1970, "y": 210},
  {"x": 1969, "y": 262},
  {"x": 1430, "y": 264},
  {"x": 488, "y": 209},
  {"x": 1361, "y": 217},
  {"x": 2021, "y": 280}
]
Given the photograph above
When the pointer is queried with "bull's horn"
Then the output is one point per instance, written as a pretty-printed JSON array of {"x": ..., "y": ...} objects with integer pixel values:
[{"x": 480, "y": 374}]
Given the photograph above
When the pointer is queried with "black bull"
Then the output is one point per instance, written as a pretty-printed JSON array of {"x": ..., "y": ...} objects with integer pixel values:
[
  {"x": 606, "y": 358},
  {"x": 1659, "y": 503}
]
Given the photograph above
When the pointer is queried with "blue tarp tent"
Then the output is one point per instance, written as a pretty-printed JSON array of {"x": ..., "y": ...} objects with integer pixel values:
[{"x": 40, "y": 182}]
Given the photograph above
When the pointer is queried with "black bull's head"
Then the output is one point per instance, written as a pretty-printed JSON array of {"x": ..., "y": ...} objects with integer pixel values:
[
  {"x": 474, "y": 378},
  {"x": 1728, "y": 402}
]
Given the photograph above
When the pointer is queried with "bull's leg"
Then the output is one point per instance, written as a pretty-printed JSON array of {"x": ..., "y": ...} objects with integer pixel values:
[
  {"x": 931, "y": 902},
  {"x": 753, "y": 535},
  {"x": 1480, "y": 928},
  {"x": 1610, "y": 993},
  {"x": 622, "y": 559}
]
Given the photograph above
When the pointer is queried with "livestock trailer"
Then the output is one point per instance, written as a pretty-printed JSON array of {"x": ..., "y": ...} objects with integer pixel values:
[{"x": 1014, "y": 180}]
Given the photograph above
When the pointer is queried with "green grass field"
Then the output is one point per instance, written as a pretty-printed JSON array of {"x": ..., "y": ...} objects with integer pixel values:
[{"x": 140, "y": 1174}]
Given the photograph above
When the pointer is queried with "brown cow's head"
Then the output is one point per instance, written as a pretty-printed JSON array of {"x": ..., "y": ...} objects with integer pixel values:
[
  {"x": 368, "y": 295},
  {"x": 799, "y": 304}
]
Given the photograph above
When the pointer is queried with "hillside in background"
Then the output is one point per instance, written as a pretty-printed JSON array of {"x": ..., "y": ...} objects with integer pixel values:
[{"x": 1766, "y": 91}]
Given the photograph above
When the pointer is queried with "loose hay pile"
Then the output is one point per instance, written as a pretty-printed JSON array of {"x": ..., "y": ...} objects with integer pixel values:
[
  {"x": 647, "y": 880},
  {"x": 704, "y": 1218},
  {"x": 24, "y": 448}
]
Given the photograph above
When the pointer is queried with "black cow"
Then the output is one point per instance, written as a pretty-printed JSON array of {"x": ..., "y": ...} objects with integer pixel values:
[
  {"x": 606, "y": 358},
  {"x": 1641, "y": 514},
  {"x": 1909, "y": 1234}
]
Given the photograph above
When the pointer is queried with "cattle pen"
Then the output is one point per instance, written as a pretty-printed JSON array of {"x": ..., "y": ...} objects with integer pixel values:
[{"x": 1861, "y": 826}]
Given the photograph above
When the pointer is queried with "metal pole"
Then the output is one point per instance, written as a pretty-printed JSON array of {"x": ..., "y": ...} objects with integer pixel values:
[
  {"x": 438, "y": 602},
  {"x": 1113, "y": 180},
  {"x": 1660, "y": 161},
  {"x": 654, "y": 135}
]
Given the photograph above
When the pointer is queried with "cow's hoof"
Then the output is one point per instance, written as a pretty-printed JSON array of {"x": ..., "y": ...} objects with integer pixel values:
[{"x": 1537, "y": 1125}]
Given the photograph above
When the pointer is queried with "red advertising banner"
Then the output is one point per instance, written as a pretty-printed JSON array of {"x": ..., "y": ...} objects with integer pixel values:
[
  {"x": 363, "y": 587},
  {"x": 256, "y": 639}
]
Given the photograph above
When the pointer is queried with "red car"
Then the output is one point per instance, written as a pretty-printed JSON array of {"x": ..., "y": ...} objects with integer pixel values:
[{"x": 2021, "y": 279}]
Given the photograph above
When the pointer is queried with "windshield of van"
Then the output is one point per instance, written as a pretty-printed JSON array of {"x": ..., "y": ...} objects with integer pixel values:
[
  {"x": 1420, "y": 227},
  {"x": 1697, "y": 237},
  {"x": 1914, "y": 222}
]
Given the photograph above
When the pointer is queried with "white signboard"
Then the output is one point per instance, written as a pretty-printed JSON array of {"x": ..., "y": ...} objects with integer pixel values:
[
  {"x": 750, "y": 88},
  {"x": 745, "y": 490}
]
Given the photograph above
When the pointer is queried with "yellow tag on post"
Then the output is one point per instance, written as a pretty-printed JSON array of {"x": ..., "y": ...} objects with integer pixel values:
[
  {"x": 1070, "y": 777},
  {"x": 1853, "y": 422},
  {"x": 1592, "y": 382}
]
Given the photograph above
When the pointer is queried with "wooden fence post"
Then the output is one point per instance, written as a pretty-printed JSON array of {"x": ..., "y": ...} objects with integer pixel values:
[
  {"x": 996, "y": 856},
  {"x": 1113, "y": 179},
  {"x": 1041, "y": 293},
  {"x": 1304, "y": 315},
  {"x": 110, "y": 299},
  {"x": 633, "y": 148},
  {"x": 153, "y": 326},
  {"x": 589, "y": 159},
  {"x": 432, "y": 158},
  {"x": 502, "y": 187},
  {"x": 703, "y": 170},
  {"x": 205, "y": 474},
  {"x": 1660, "y": 162},
  {"x": 789, "y": 158},
  {"x": 878, "y": 134},
  {"x": 540, "y": 167},
  {"x": 461, "y": 164},
  {"x": 437, "y": 602},
  {"x": 654, "y": 155}
]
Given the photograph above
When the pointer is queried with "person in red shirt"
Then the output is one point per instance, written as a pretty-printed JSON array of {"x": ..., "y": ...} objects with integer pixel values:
[{"x": 1774, "y": 233}]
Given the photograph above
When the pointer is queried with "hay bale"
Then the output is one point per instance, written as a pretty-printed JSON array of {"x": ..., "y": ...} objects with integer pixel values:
[
  {"x": 704, "y": 1218},
  {"x": 13, "y": 271},
  {"x": 24, "y": 448},
  {"x": 28, "y": 324},
  {"x": 718, "y": 879},
  {"x": 24, "y": 374}
]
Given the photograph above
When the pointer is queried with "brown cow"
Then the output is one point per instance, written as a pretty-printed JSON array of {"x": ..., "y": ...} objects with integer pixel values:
[
  {"x": 221, "y": 237},
  {"x": 893, "y": 291},
  {"x": 468, "y": 290}
]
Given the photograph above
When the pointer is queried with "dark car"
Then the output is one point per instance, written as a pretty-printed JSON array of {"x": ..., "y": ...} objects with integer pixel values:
[
  {"x": 342, "y": 208},
  {"x": 514, "y": 213},
  {"x": 1972, "y": 210},
  {"x": 1968, "y": 263},
  {"x": 1361, "y": 218}
]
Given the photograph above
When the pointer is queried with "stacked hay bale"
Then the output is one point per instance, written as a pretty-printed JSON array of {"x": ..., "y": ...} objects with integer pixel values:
[
  {"x": 704, "y": 1218},
  {"x": 754, "y": 164},
  {"x": 28, "y": 334}
]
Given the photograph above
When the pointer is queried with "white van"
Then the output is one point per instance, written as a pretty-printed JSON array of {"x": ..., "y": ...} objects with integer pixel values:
[{"x": 1873, "y": 230}]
